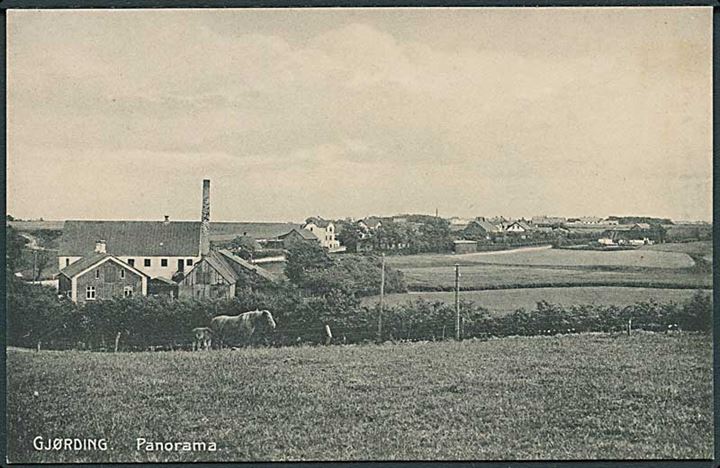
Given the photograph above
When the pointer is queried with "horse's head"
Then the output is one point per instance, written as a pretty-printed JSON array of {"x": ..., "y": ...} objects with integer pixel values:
[{"x": 269, "y": 318}]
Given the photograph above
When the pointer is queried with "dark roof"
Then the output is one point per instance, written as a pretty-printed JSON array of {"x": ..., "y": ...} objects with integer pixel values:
[
  {"x": 372, "y": 221},
  {"x": 304, "y": 233},
  {"x": 244, "y": 264},
  {"x": 319, "y": 222},
  {"x": 487, "y": 226},
  {"x": 87, "y": 262},
  {"x": 220, "y": 265},
  {"x": 228, "y": 231},
  {"x": 160, "y": 279},
  {"x": 141, "y": 238}
]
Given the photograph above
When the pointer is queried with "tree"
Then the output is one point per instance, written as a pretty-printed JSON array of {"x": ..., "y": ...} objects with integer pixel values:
[
  {"x": 13, "y": 250},
  {"x": 303, "y": 257},
  {"x": 244, "y": 246},
  {"x": 350, "y": 235},
  {"x": 42, "y": 260}
]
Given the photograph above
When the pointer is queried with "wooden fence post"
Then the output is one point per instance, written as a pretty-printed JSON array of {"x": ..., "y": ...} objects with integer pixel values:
[
  {"x": 328, "y": 334},
  {"x": 38, "y": 345},
  {"x": 117, "y": 341}
]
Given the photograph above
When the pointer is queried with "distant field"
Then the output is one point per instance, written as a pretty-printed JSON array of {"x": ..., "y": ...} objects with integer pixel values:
[
  {"x": 508, "y": 300},
  {"x": 698, "y": 247},
  {"x": 501, "y": 277},
  {"x": 37, "y": 225},
  {"x": 567, "y": 397},
  {"x": 545, "y": 267},
  {"x": 553, "y": 257}
]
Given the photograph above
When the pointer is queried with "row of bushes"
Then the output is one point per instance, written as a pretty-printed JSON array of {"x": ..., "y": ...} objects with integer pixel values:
[{"x": 35, "y": 314}]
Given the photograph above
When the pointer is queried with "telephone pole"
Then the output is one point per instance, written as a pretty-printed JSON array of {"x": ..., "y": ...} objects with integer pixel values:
[
  {"x": 382, "y": 295},
  {"x": 457, "y": 301}
]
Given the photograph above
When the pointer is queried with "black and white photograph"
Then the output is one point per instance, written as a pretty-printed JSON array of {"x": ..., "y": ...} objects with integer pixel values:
[{"x": 359, "y": 234}]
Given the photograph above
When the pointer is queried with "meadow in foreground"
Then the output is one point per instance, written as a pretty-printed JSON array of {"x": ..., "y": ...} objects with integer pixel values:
[{"x": 564, "y": 397}]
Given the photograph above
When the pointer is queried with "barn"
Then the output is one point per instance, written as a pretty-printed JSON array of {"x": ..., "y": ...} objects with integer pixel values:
[{"x": 220, "y": 275}]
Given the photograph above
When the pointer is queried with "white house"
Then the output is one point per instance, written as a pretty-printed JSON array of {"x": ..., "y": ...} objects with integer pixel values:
[{"x": 325, "y": 231}]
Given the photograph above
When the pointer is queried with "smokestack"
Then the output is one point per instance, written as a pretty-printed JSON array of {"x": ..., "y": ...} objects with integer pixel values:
[
  {"x": 205, "y": 219},
  {"x": 100, "y": 247}
]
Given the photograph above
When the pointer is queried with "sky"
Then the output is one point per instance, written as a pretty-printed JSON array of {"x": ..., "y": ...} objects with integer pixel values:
[{"x": 120, "y": 114}]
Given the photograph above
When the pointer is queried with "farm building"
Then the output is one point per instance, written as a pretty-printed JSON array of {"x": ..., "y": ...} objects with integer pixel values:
[
  {"x": 220, "y": 274},
  {"x": 101, "y": 276},
  {"x": 158, "y": 251},
  {"x": 548, "y": 221},
  {"x": 298, "y": 235},
  {"x": 157, "y": 248},
  {"x": 481, "y": 228},
  {"x": 371, "y": 223},
  {"x": 464, "y": 246},
  {"x": 263, "y": 233},
  {"x": 517, "y": 227}
]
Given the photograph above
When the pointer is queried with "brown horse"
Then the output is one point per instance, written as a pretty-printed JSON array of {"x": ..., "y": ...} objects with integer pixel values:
[{"x": 243, "y": 326}]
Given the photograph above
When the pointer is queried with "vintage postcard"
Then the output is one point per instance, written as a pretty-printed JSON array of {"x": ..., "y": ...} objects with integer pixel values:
[{"x": 359, "y": 234}]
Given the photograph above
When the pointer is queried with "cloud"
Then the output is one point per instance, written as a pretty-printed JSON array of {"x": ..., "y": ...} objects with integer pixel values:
[{"x": 310, "y": 95}]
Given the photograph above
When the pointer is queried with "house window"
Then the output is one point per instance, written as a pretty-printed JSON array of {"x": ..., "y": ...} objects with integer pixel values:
[
  {"x": 163, "y": 262},
  {"x": 148, "y": 262},
  {"x": 67, "y": 262},
  {"x": 97, "y": 274},
  {"x": 122, "y": 274},
  {"x": 90, "y": 293},
  {"x": 189, "y": 262},
  {"x": 128, "y": 291},
  {"x": 131, "y": 262}
]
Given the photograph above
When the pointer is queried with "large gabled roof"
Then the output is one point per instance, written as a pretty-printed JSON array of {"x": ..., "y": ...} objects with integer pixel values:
[
  {"x": 225, "y": 231},
  {"x": 220, "y": 265},
  {"x": 130, "y": 238},
  {"x": 304, "y": 233},
  {"x": 89, "y": 261}
]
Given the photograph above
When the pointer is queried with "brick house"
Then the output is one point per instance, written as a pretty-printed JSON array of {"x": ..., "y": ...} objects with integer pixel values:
[{"x": 101, "y": 276}]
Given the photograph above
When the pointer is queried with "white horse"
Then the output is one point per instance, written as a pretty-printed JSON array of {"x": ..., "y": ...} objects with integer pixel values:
[{"x": 243, "y": 326}]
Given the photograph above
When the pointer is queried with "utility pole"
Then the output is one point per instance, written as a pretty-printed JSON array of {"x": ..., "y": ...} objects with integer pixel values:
[
  {"x": 34, "y": 278},
  {"x": 382, "y": 296},
  {"x": 457, "y": 301}
]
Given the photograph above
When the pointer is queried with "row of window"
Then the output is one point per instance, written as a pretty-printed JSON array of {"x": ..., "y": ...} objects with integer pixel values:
[
  {"x": 97, "y": 274},
  {"x": 163, "y": 262},
  {"x": 147, "y": 262},
  {"x": 91, "y": 292}
]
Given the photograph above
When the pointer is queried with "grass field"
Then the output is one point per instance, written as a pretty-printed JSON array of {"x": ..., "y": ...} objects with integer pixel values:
[
  {"x": 542, "y": 256},
  {"x": 697, "y": 247},
  {"x": 545, "y": 267},
  {"x": 508, "y": 300},
  {"x": 565, "y": 397}
]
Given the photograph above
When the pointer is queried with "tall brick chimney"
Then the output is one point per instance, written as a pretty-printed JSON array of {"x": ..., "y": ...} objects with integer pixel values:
[{"x": 205, "y": 219}]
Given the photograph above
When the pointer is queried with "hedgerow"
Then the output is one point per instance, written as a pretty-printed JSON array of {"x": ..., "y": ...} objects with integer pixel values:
[{"x": 37, "y": 315}]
